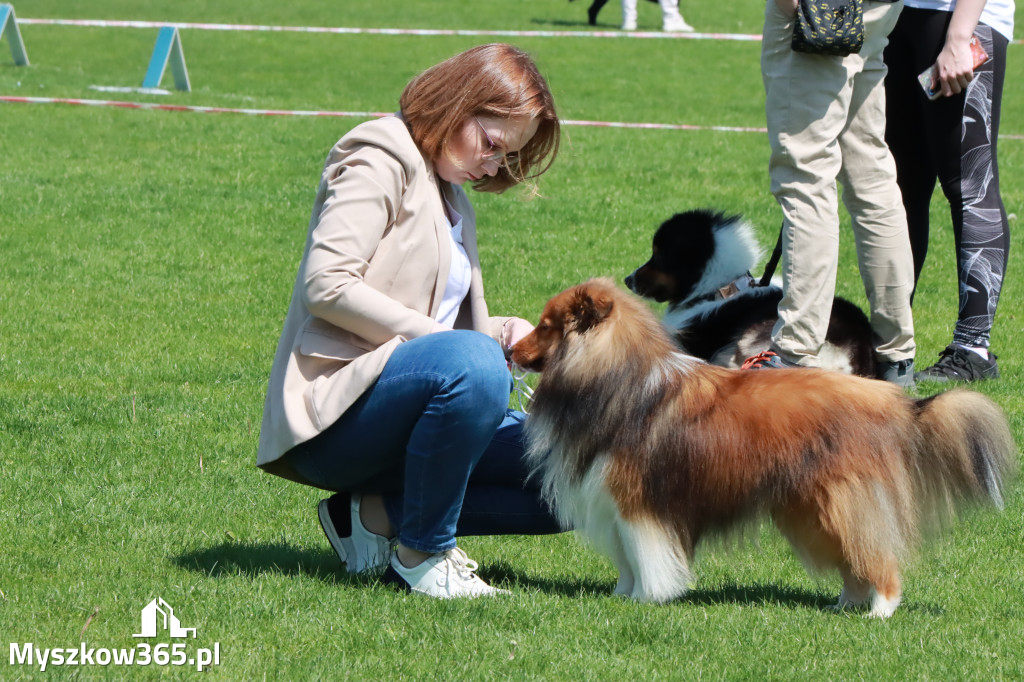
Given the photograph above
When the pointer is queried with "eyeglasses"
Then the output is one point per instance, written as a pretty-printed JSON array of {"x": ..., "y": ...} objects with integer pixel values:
[{"x": 503, "y": 159}]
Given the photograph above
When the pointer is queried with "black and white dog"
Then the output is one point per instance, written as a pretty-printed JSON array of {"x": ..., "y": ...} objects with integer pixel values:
[{"x": 700, "y": 264}]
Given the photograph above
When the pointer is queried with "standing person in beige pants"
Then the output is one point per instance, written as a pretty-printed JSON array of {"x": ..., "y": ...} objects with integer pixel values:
[{"x": 826, "y": 123}]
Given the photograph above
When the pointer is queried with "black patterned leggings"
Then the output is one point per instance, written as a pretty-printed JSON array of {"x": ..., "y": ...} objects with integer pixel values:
[{"x": 952, "y": 139}]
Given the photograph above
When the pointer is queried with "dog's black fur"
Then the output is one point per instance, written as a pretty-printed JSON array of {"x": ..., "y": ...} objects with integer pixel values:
[{"x": 698, "y": 254}]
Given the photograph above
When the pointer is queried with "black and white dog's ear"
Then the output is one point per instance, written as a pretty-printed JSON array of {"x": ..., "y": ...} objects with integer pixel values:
[{"x": 587, "y": 309}]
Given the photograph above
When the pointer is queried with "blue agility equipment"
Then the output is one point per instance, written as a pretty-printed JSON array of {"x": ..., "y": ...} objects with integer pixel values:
[
  {"x": 9, "y": 29},
  {"x": 168, "y": 48}
]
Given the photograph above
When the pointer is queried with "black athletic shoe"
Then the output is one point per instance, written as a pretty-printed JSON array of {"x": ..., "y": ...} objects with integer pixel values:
[{"x": 957, "y": 363}]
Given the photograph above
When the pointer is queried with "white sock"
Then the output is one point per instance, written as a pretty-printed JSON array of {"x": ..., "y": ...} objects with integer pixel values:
[{"x": 980, "y": 350}]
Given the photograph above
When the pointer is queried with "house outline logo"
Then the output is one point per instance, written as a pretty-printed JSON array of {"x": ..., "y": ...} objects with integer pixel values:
[{"x": 159, "y": 612}]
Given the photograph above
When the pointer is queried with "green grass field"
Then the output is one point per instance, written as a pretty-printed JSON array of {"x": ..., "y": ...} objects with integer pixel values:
[{"x": 146, "y": 262}]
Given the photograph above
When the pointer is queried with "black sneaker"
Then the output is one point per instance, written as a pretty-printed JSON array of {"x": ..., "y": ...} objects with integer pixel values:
[{"x": 957, "y": 363}]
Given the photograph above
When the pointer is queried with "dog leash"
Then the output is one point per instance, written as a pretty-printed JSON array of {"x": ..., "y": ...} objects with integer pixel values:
[
  {"x": 522, "y": 394},
  {"x": 773, "y": 262}
]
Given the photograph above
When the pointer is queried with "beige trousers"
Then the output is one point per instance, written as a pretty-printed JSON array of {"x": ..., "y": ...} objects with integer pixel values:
[{"x": 826, "y": 123}]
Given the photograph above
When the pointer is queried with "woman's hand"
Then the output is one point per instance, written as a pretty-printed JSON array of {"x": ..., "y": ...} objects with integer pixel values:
[
  {"x": 514, "y": 329},
  {"x": 954, "y": 68}
]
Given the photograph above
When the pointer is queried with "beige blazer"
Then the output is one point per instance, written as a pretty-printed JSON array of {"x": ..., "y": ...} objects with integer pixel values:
[{"x": 372, "y": 275}]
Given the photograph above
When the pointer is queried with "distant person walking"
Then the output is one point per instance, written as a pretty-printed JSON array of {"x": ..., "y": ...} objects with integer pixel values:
[{"x": 671, "y": 19}]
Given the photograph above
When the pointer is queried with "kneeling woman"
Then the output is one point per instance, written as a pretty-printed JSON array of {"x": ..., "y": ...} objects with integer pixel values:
[{"x": 389, "y": 385}]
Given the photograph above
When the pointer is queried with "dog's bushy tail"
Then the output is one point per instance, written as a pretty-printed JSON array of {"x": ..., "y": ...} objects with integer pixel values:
[{"x": 966, "y": 455}]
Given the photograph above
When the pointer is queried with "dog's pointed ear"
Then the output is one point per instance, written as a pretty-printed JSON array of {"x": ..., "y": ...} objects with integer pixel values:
[{"x": 588, "y": 309}]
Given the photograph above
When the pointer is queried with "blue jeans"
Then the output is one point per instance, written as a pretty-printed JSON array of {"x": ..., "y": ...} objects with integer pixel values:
[{"x": 435, "y": 437}]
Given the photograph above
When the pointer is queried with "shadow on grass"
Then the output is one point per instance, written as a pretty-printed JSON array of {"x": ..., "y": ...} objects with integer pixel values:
[
  {"x": 255, "y": 559},
  {"x": 757, "y": 594},
  {"x": 501, "y": 573},
  {"x": 575, "y": 25},
  {"x": 780, "y": 595},
  {"x": 751, "y": 595},
  {"x": 760, "y": 595}
]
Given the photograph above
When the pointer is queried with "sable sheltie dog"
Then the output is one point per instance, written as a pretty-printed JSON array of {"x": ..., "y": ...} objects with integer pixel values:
[
  {"x": 644, "y": 451},
  {"x": 700, "y": 265}
]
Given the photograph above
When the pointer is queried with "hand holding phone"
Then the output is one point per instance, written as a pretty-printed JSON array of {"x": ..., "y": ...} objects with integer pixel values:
[{"x": 929, "y": 78}]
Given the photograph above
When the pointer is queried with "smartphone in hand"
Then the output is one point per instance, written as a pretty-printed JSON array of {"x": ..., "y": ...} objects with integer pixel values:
[{"x": 928, "y": 81}]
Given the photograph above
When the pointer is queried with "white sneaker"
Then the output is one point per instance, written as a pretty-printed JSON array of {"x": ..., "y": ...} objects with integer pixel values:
[
  {"x": 629, "y": 26},
  {"x": 362, "y": 551},
  {"x": 677, "y": 26},
  {"x": 446, "y": 575}
]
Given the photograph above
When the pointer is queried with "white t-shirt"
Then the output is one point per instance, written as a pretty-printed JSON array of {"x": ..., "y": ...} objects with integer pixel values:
[
  {"x": 459, "y": 274},
  {"x": 997, "y": 13}
]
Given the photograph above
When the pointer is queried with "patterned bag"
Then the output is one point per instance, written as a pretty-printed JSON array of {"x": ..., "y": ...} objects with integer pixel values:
[{"x": 834, "y": 27}]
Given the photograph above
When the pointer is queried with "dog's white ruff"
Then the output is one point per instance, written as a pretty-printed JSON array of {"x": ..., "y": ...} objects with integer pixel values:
[
  {"x": 651, "y": 564},
  {"x": 736, "y": 251}
]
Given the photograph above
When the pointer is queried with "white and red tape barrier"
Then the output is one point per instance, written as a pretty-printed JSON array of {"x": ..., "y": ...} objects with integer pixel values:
[
  {"x": 105, "y": 23},
  {"x": 333, "y": 114},
  {"x": 113, "y": 23}
]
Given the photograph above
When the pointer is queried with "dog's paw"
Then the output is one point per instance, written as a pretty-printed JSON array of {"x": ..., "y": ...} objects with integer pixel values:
[{"x": 883, "y": 607}]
